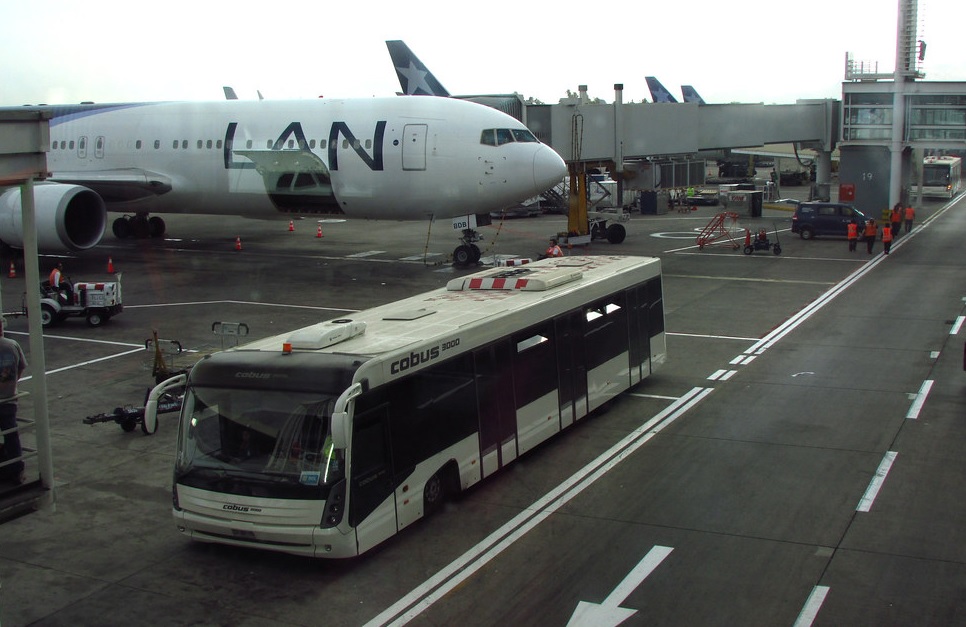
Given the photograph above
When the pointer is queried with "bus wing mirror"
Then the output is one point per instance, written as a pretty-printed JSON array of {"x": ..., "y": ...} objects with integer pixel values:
[
  {"x": 341, "y": 417},
  {"x": 149, "y": 423}
]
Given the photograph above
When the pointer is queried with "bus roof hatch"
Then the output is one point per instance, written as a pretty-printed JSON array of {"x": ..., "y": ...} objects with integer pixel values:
[
  {"x": 520, "y": 279},
  {"x": 326, "y": 334}
]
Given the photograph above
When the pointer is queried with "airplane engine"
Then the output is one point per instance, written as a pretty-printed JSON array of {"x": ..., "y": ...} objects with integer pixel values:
[{"x": 68, "y": 217}]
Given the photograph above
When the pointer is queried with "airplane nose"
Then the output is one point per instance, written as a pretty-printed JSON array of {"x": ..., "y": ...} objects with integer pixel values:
[{"x": 548, "y": 169}]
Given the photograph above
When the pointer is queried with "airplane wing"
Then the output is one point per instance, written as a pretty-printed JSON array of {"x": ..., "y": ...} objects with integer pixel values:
[
  {"x": 414, "y": 77},
  {"x": 659, "y": 93},
  {"x": 118, "y": 185},
  {"x": 281, "y": 161}
]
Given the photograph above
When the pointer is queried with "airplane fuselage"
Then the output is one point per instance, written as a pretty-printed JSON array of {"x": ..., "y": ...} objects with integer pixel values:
[{"x": 393, "y": 158}]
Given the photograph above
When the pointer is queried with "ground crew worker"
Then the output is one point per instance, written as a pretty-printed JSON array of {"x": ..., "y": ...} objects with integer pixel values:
[
  {"x": 870, "y": 233},
  {"x": 554, "y": 250},
  {"x": 887, "y": 238},
  {"x": 12, "y": 366},
  {"x": 853, "y": 234},
  {"x": 896, "y": 219},
  {"x": 910, "y": 216},
  {"x": 59, "y": 282}
]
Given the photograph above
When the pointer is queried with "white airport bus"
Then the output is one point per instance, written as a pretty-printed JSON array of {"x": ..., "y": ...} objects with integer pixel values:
[
  {"x": 326, "y": 441},
  {"x": 941, "y": 176}
]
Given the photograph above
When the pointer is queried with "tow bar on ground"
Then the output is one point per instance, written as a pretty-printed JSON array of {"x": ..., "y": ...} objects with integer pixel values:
[{"x": 129, "y": 416}]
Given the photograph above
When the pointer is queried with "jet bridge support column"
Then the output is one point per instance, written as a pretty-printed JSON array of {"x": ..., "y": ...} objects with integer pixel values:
[
  {"x": 619, "y": 141},
  {"x": 823, "y": 175}
]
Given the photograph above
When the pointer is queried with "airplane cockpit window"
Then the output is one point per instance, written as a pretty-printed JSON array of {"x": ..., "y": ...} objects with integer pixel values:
[
  {"x": 488, "y": 137},
  {"x": 500, "y": 136},
  {"x": 523, "y": 135},
  {"x": 503, "y": 136}
]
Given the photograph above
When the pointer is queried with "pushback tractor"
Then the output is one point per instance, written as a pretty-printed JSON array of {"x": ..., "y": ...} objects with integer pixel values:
[{"x": 330, "y": 439}]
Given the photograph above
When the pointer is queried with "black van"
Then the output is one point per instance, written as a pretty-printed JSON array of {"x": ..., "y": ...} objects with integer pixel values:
[{"x": 825, "y": 218}]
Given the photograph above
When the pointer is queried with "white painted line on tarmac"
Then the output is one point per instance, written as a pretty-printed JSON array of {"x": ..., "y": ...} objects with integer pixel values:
[
  {"x": 728, "y": 375},
  {"x": 913, "y": 413},
  {"x": 366, "y": 253},
  {"x": 78, "y": 339},
  {"x": 89, "y": 362},
  {"x": 657, "y": 396},
  {"x": 715, "y": 337},
  {"x": 812, "y": 606},
  {"x": 420, "y": 257},
  {"x": 456, "y": 572},
  {"x": 865, "y": 504},
  {"x": 716, "y": 375},
  {"x": 745, "y": 278},
  {"x": 237, "y": 302},
  {"x": 957, "y": 325}
]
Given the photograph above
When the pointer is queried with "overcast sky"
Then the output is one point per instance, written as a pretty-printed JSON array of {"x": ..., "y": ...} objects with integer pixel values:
[{"x": 67, "y": 51}]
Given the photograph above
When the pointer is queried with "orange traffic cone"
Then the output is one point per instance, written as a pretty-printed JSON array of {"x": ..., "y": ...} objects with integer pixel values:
[
  {"x": 13, "y": 271},
  {"x": 319, "y": 232},
  {"x": 110, "y": 266},
  {"x": 237, "y": 243},
  {"x": 291, "y": 225}
]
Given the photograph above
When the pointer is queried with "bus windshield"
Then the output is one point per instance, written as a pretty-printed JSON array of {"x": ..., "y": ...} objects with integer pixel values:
[
  {"x": 935, "y": 175},
  {"x": 258, "y": 443}
]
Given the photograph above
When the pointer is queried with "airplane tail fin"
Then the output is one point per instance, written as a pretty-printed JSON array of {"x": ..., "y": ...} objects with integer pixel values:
[
  {"x": 414, "y": 77},
  {"x": 230, "y": 93},
  {"x": 659, "y": 92},
  {"x": 691, "y": 95}
]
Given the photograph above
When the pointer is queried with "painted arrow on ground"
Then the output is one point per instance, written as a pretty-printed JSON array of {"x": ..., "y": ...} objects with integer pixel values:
[{"x": 609, "y": 613}]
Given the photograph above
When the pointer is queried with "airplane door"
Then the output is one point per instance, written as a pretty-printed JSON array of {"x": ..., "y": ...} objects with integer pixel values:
[{"x": 414, "y": 147}]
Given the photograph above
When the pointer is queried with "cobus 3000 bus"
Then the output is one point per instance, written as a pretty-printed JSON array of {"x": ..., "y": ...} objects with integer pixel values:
[
  {"x": 941, "y": 176},
  {"x": 328, "y": 440}
]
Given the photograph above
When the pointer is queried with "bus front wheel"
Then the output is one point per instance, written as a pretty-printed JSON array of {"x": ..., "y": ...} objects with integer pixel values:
[{"x": 438, "y": 488}]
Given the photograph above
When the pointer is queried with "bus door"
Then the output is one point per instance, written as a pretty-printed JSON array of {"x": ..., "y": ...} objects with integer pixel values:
[
  {"x": 639, "y": 343},
  {"x": 494, "y": 389},
  {"x": 571, "y": 371},
  {"x": 372, "y": 508}
]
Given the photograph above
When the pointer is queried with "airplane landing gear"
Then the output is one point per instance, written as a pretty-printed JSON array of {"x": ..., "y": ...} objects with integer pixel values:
[
  {"x": 139, "y": 226},
  {"x": 467, "y": 253}
]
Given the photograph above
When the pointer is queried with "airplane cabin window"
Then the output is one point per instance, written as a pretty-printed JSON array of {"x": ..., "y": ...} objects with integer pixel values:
[
  {"x": 63, "y": 144},
  {"x": 218, "y": 144},
  {"x": 137, "y": 144},
  {"x": 503, "y": 136},
  {"x": 312, "y": 144},
  {"x": 268, "y": 144},
  {"x": 291, "y": 143},
  {"x": 184, "y": 144},
  {"x": 248, "y": 144},
  {"x": 368, "y": 144},
  {"x": 174, "y": 144},
  {"x": 200, "y": 144},
  {"x": 523, "y": 135},
  {"x": 488, "y": 137},
  {"x": 71, "y": 144},
  {"x": 208, "y": 144},
  {"x": 157, "y": 144},
  {"x": 322, "y": 143}
]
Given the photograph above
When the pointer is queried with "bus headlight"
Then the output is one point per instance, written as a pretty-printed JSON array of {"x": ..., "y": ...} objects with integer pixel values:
[{"x": 334, "y": 506}]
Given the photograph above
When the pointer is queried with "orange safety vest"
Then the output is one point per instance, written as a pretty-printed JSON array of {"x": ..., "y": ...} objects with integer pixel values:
[
  {"x": 896, "y": 216},
  {"x": 910, "y": 213},
  {"x": 554, "y": 251},
  {"x": 54, "y": 277},
  {"x": 887, "y": 234},
  {"x": 870, "y": 229},
  {"x": 853, "y": 230}
]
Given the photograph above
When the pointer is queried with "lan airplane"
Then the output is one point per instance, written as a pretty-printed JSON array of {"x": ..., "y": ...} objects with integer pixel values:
[{"x": 383, "y": 158}]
